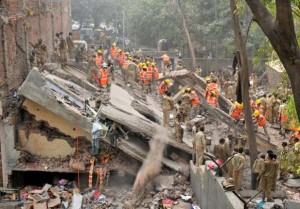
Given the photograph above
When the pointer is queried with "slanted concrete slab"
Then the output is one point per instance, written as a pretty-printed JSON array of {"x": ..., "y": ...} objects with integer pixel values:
[
  {"x": 293, "y": 183},
  {"x": 292, "y": 204}
]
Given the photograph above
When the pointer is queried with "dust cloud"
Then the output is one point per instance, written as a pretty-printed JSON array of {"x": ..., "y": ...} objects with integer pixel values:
[{"x": 152, "y": 164}]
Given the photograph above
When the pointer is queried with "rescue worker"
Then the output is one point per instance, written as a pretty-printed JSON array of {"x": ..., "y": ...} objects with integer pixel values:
[
  {"x": 231, "y": 92},
  {"x": 212, "y": 99},
  {"x": 155, "y": 75},
  {"x": 186, "y": 101},
  {"x": 211, "y": 86},
  {"x": 163, "y": 86},
  {"x": 269, "y": 108},
  {"x": 213, "y": 75},
  {"x": 167, "y": 107},
  {"x": 166, "y": 63},
  {"x": 32, "y": 59},
  {"x": 284, "y": 121},
  {"x": 276, "y": 105},
  {"x": 199, "y": 145},
  {"x": 150, "y": 74},
  {"x": 40, "y": 50},
  {"x": 70, "y": 44},
  {"x": 179, "y": 63},
  {"x": 113, "y": 52},
  {"x": 260, "y": 106},
  {"x": 131, "y": 72},
  {"x": 63, "y": 52},
  {"x": 176, "y": 107},
  {"x": 99, "y": 58},
  {"x": 219, "y": 150},
  {"x": 180, "y": 119},
  {"x": 238, "y": 162},
  {"x": 144, "y": 79},
  {"x": 284, "y": 161},
  {"x": 198, "y": 71},
  {"x": 236, "y": 111},
  {"x": 260, "y": 121},
  {"x": 93, "y": 71},
  {"x": 111, "y": 71},
  {"x": 103, "y": 77},
  {"x": 121, "y": 58},
  {"x": 269, "y": 173},
  {"x": 56, "y": 47},
  {"x": 258, "y": 167},
  {"x": 195, "y": 102}
]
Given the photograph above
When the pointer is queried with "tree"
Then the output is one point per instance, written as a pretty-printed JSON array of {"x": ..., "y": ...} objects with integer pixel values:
[
  {"x": 245, "y": 86},
  {"x": 281, "y": 33},
  {"x": 187, "y": 32}
]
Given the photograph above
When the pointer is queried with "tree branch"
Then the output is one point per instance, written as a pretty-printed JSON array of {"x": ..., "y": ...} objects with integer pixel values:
[{"x": 284, "y": 17}]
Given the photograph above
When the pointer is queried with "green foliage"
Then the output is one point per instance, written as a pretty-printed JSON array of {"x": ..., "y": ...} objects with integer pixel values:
[{"x": 291, "y": 112}]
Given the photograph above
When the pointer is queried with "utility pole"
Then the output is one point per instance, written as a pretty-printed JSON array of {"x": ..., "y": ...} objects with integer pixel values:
[{"x": 241, "y": 45}]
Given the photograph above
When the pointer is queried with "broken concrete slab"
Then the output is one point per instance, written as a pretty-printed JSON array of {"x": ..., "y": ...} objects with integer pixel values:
[
  {"x": 43, "y": 92},
  {"x": 293, "y": 183},
  {"x": 292, "y": 204}
]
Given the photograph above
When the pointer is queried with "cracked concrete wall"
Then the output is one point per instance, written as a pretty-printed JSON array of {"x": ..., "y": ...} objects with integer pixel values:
[
  {"x": 38, "y": 144},
  {"x": 9, "y": 155},
  {"x": 209, "y": 191},
  {"x": 55, "y": 121}
]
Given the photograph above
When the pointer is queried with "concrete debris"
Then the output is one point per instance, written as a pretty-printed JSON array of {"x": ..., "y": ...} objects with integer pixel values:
[{"x": 293, "y": 183}]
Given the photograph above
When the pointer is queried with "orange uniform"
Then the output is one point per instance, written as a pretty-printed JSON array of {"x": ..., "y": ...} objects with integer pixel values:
[
  {"x": 144, "y": 77},
  {"x": 150, "y": 72},
  {"x": 103, "y": 80},
  {"x": 155, "y": 73},
  {"x": 261, "y": 120},
  {"x": 113, "y": 52},
  {"x": 236, "y": 113},
  {"x": 121, "y": 59},
  {"x": 211, "y": 87},
  {"x": 212, "y": 100},
  {"x": 163, "y": 87},
  {"x": 194, "y": 98}
]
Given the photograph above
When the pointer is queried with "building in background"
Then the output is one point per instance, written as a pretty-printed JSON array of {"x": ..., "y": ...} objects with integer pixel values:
[{"x": 22, "y": 22}]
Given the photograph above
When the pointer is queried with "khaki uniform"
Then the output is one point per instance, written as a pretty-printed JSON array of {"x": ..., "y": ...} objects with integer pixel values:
[
  {"x": 93, "y": 71},
  {"x": 275, "y": 110},
  {"x": 56, "y": 49},
  {"x": 198, "y": 71},
  {"x": 63, "y": 51},
  {"x": 40, "y": 50},
  {"x": 231, "y": 93},
  {"x": 167, "y": 106},
  {"x": 269, "y": 108},
  {"x": 70, "y": 44},
  {"x": 186, "y": 104},
  {"x": 199, "y": 144},
  {"x": 180, "y": 118},
  {"x": 131, "y": 73},
  {"x": 258, "y": 167},
  {"x": 269, "y": 173},
  {"x": 219, "y": 152},
  {"x": 284, "y": 163},
  {"x": 238, "y": 163}
]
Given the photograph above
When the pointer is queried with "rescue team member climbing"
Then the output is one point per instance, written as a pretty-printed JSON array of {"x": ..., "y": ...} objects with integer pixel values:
[
  {"x": 236, "y": 111},
  {"x": 99, "y": 58},
  {"x": 260, "y": 121},
  {"x": 163, "y": 86}
]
